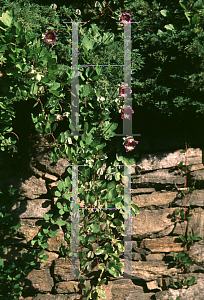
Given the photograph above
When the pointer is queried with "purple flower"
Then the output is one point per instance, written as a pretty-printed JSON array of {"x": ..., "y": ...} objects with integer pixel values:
[
  {"x": 50, "y": 37},
  {"x": 126, "y": 18},
  {"x": 130, "y": 144},
  {"x": 127, "y": 111}
]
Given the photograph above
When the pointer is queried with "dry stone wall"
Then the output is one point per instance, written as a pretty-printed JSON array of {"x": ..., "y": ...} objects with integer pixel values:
[{"x": 156, "y": 190}]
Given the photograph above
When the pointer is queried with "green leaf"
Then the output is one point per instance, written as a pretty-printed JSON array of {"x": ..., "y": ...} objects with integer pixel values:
[
  {"x": 117, "y": 222},
  {"x": 52, "y": 233},
  {"x": 41, "y": 252},
  {"x": 92, "y": 239},
  {"x": 191, "y": 282},
  {"x": 45, "y": 230},
  {"x": 128, "y": 161},
  {"x": 96, "y": 228},
  {"x": 60, "y": 186},
  {"x": 182, "y": 213},
  {"x": 164, "y": 12},
  {"x": 99, "y": 251},
  {"x": 7, "y": 18},
  {"x": 46, "y": 217},
  {"x": 169, "y": 27},
  {"x": 196, "y": 238},
  {"x": 117, "y": 176},
  {"x": 111, "y": 186},
  {"x": 38, "y": 127},
  {"x": 102, "y": 266},
  {"x": 45, "y": 257},
  {"x": 61, "y": 222},
  {"x": 59, "y": 205},
  {"x": 51, "y": 62},
  {"x": 45, "y": 245},
  {"x": 182, "y": 5},
  {"x": 67, "y": 182},
  {"x": 1, "y": 263},
  {"x": 57, "y": 194},
  {"x": 135, "y": 209},
  {"x": 189, "y": 236},
  {"x": 182, "y": 238},
  {"x": 101, "y": 293},
  {"x": 88, "y": 43},
  {"x": 183, "y": 259},
  {"x": 189, "y": 263}
]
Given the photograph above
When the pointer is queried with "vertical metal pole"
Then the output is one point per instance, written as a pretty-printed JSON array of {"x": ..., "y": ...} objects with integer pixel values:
[
  {"x": 127, "y": 223},
  {"x": 75, "y": 267},
  {"x": 75, "y": 82},
  {"x": 127, "y": 124}
]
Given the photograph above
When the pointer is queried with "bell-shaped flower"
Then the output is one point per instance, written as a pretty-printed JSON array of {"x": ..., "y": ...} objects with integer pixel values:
[
  {"x": 50, "y": 37},
  {"x": 126, "y": 18},
  {"x": 130, "y": 144}
]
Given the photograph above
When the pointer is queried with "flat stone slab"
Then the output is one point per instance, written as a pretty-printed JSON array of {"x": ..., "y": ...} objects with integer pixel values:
[
  {"x": 164, "y": 244},
  {"x": 155, "y": 199},
  {"x": 162, "y": 177},
  {"x": 196, "y": 252},
  {"x": 26, "y": 209},
  {"x": 160, "y": 160},
  {"x": 196, "y": 222},
  {"x": 38, "y": 281},
  {"x": 196, "y": 198},
  {"x": 148, "y": 222},
  {"x": 151, "y": 270}
]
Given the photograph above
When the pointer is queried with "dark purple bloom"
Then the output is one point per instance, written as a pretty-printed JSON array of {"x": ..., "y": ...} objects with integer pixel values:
[
  {"x": 50, "y": 37},
  {"x": 126, "y": 18},
  {"x": 130, "y": 144}
]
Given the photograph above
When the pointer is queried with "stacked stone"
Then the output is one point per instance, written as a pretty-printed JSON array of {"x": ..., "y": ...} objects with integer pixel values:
[{"x": 156, "y": 190}]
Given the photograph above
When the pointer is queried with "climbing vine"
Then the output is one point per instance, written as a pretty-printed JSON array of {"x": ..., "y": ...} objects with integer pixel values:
[{"x": 29, "y": 81}]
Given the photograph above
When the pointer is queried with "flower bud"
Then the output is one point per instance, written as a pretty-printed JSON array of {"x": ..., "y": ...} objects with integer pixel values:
[
  {"x": 1, "y": 74},
  {"x": 41, "y": 88}
]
